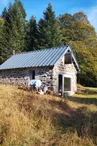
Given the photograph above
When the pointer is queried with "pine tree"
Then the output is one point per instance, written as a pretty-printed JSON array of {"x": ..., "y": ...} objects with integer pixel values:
[
  {"x": 4, "y": 13},
  {"x": 49, "y": 34},
  {"x": 2, "y": 21},
  {"x": 21, "y": 7},
  {"x": 1, "y": 24},
  {"x": 14, "y": 29},
  {"x": 31, "y": 35}
]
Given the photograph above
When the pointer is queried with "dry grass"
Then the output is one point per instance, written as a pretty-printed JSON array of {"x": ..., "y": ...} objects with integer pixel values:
[{"x": 28, "y": 119}]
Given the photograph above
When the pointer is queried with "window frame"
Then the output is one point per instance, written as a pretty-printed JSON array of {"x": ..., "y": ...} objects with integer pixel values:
[
  {"x": 68, "y": 86},
  {"x": 66, "y": 76}
]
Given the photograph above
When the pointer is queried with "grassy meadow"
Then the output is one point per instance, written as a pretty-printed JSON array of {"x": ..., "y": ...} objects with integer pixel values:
[{"x": 29, "y": 119}]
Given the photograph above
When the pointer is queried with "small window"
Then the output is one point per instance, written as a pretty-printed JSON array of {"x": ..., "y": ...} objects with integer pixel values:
[
  {"x": 68, "y": 58},
  {"x": 67, "y": 84}
]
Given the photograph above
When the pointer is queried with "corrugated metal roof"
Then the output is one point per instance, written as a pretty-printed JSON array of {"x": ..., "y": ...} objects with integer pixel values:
[{"x": 46, "y": 57}]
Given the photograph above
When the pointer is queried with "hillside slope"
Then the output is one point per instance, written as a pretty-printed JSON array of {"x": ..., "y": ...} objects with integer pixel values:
[{"x": 29, "y": 119}]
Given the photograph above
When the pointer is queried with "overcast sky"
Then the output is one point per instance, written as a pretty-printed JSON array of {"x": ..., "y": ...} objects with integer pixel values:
[{"x": 36, "y": 7}]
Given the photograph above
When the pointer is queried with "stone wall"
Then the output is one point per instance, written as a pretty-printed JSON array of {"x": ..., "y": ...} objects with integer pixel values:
[
  {"x": 23, "y": 76},
  {"x": 17, "y": 76},
  {"x": 45, "y": 75},
  {"x": 48, "y": 75},
  {"x": 62, "y": 68}
]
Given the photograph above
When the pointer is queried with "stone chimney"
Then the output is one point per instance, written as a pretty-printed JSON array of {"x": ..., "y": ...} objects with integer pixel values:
[{"x": 13, "y": 52}]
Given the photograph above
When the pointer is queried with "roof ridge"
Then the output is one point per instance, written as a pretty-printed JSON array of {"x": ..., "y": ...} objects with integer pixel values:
[{"x": 39, "y": 50}]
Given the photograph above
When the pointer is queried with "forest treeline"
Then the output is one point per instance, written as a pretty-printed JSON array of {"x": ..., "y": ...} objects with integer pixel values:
[{"x": 16, "y": 33}]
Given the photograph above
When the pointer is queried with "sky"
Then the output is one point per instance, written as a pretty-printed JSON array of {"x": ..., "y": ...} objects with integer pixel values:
[{"x": 37, "y": 7}]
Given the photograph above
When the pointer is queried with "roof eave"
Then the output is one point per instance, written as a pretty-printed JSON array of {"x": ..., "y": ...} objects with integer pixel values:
[{"x": 26, "y": 67}]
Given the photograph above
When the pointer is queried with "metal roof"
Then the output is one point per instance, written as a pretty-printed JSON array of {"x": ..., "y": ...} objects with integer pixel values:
[{"x": 38, "y": 58}]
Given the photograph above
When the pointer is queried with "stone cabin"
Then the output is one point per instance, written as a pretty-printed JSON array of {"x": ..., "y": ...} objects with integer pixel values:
[{"x": 56, "y": 67}]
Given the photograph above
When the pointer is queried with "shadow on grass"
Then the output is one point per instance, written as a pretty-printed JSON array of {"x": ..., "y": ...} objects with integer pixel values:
[
  {"x": 75, "y": 120},
  {"x": 83, "y": 100},
  {"x": 87, "y": 91},
  {"x": 70, "y": 119},
  {"x": 64, "y": 117}
]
